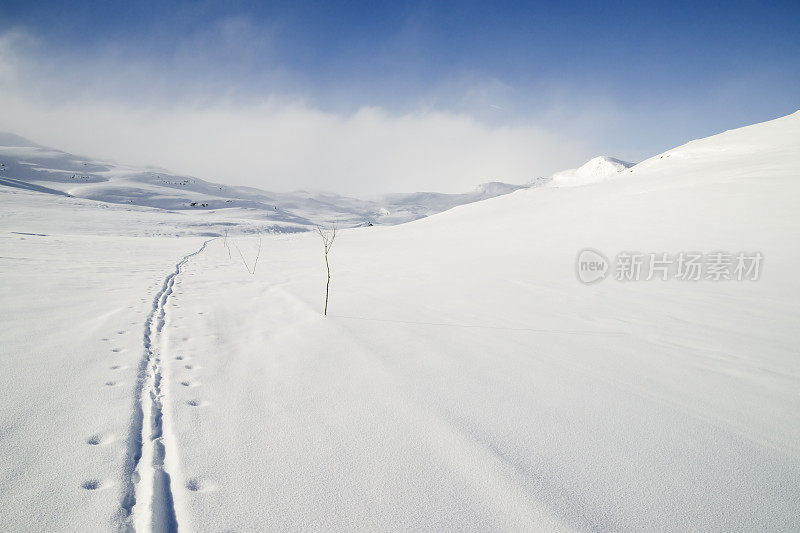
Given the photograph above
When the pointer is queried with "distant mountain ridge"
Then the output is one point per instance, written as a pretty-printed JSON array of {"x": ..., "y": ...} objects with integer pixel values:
[{"x": 25, "y": 164}]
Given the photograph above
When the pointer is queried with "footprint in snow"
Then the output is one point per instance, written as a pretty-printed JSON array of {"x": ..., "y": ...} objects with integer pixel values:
[
  {"x": 91, "y": 484},
  {"x": 98, "y": 439},
  {"x": 196, "y": 484}
]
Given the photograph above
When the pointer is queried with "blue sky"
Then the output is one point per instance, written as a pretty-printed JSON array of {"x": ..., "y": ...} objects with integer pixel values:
[{"x": 629, "y": 79}]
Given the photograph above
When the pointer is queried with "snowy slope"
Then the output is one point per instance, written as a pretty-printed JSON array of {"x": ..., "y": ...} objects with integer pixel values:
[
  {"x": 464, "y": 362},
  {"x": 25, "y": 164},
  {"x": 463, "y": 379}
]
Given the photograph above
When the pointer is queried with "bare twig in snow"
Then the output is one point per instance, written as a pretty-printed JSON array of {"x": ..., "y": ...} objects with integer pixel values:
[
  {"x": 225, "y": 243},
  {"x": 328, "y": 236},
  {"x": 255, "y": 263}
]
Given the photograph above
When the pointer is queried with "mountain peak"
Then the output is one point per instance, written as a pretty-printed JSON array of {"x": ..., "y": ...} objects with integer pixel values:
[{"x": 599, "y": 168}]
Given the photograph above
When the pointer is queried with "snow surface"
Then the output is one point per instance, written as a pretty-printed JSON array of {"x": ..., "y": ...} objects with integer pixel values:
[{"x": 463, "y": 379}]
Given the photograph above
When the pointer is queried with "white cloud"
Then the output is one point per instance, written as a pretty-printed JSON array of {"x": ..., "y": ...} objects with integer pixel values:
[{"x": 274, "y": 142}]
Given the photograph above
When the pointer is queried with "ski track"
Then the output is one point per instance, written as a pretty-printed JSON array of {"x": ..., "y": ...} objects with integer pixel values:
[{"x": 146, "y": 480}]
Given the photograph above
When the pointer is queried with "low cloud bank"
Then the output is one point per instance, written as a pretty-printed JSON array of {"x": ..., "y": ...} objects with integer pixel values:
[{"x": 275, "y": 142}]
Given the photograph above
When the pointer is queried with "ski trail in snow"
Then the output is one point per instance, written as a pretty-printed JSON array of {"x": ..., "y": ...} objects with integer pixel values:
[{"x": 147, "y": 500}]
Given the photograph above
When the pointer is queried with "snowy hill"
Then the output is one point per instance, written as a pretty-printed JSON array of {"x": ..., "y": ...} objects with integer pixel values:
[
  {"x": 28, "y": 165},
  {"x": 464, "y": 378},
  {"x": 593, "y": 171}
]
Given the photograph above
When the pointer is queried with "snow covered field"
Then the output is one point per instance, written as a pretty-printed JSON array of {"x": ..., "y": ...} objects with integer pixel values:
[{"x": 463, "y": 379}]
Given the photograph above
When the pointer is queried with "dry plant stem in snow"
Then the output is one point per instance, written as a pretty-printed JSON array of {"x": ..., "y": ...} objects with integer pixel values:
[
  {"x": 225, "y": 243},
  {"x": 255, "y": 263},
  {"x": 328, "y": 235}
]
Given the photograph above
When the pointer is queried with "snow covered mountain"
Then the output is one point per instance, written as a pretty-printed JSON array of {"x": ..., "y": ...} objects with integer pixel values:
[
  {"x": 464, "y": 378},
  {"x": 595, "y": 170},
  {"x": 27, "y": 165}
]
